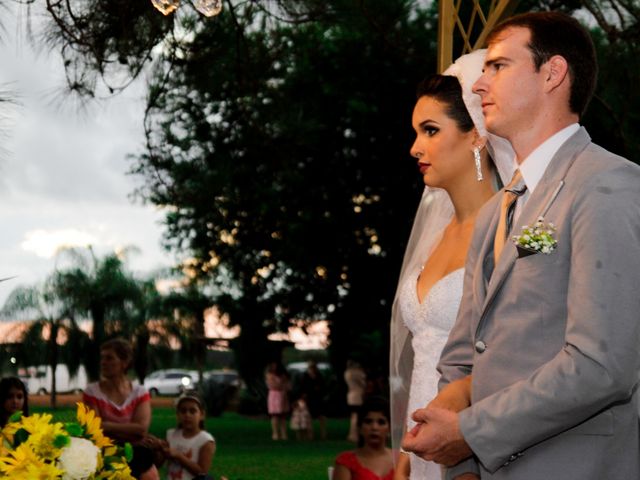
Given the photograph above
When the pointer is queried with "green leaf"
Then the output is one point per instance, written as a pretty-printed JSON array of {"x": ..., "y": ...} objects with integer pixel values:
[
  {"x": 111, "y": 459},
  {"x": 21, "y": 436},
  {"x": 61, "y": 441},
  {"x": 15, "y": 417},
  {"x": 74, "y": 429},
  {"x": 128, "y": 451}
]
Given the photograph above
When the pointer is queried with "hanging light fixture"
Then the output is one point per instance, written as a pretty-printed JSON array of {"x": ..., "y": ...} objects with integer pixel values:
[
  {"x": 208, "y": 8},
  {"x": 165, "y": 6}
]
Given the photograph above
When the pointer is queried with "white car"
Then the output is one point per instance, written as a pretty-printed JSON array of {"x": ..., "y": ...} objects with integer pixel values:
[
  {"x": 170, "y": 382},
  {"x": 37, "y": 379}
]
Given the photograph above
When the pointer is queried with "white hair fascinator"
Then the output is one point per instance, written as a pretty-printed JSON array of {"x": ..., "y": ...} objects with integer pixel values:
[{"x": 467, "y": 69}]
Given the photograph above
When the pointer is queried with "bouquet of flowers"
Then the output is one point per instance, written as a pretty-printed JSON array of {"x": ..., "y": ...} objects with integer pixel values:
[{"x": 35, "y": 447}]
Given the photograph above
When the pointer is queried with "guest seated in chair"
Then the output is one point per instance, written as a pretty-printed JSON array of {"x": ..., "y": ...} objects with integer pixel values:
[{"x": 125, "y": 409}]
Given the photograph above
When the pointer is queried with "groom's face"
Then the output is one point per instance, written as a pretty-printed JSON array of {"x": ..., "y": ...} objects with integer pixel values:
[{"x": 509, "y": 86}]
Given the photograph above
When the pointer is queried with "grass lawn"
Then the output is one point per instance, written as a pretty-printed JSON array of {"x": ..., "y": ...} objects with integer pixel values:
[{"x": 245, "y": 450}]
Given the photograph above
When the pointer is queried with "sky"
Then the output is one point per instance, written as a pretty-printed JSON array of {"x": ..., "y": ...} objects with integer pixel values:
[{"x": 63, "y": 171}]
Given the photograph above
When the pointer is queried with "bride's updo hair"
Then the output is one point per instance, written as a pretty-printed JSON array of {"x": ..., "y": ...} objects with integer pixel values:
[{"x": 446, "y": 89}]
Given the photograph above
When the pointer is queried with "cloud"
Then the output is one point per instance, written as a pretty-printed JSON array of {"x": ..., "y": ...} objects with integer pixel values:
[
  {"x": 46, "y": 244},
  {"x": 63, "y": 180}
]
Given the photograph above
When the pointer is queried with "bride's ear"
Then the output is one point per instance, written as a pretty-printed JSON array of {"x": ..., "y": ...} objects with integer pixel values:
[{"x": 479, "y": 141}]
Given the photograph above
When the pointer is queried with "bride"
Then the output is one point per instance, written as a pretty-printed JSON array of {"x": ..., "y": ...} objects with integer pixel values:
[{"x": 459, "y": 177}]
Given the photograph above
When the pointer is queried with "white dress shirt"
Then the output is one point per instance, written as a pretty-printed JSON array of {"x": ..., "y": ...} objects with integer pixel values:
[{"x": 534, "y": 166}]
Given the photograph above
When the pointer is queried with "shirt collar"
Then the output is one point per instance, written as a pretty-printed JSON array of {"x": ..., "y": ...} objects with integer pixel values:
[{"x": 534, "y": 166}]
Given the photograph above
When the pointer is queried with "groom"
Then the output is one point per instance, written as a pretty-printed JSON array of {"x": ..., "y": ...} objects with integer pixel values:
[{"x": 551, "y": 338}]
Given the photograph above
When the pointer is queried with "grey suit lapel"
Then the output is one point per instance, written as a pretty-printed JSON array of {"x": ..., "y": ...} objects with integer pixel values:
[
  {"x": 484, "y": 267},
  {"x": 542, "y": 197}
]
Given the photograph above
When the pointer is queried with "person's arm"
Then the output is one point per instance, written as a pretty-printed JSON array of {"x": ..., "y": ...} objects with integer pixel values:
[
  {"x": 456, "y": 358},
  {"x": 403, "y": 467},
  {"x": 273, "y": 381},
  {"x": 455, "y": 396},
  {"x": 135, "y": 430},
  {"x": 340, "y": 472},
  {"x": 157, "y": 445},
  {"x": 199, "y": 467},
  {"x": 362, "y": 379}
]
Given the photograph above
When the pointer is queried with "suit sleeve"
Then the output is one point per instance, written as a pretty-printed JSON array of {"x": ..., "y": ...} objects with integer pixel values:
[
  {"x": 456, "y": 360},
  {"x": 598, "y": 364}
]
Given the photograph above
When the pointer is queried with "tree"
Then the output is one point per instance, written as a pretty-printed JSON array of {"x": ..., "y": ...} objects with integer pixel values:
[
  {"x": 291, "y": 203},
  {"x": 188, "y": 305},
  {"x": 101, "y": 289},
  {"x": 276, "y": 141},
  {"x": 52, "y": 317}
]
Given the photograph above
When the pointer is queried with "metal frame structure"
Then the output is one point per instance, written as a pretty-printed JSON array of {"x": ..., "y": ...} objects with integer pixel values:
[{"x": 451, "y": 24}]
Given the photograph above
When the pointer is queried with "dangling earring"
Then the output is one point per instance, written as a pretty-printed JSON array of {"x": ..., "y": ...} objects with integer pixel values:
[{"x": 476, "y": 158}]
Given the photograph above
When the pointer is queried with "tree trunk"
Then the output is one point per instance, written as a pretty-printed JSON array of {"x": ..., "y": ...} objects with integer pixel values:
[
  {"x": 53, "y": 361},
  {"x": 93, "y": 366}
]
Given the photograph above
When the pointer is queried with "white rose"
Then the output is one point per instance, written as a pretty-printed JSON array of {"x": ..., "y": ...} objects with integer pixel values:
[{"x": 79, "y": 459}]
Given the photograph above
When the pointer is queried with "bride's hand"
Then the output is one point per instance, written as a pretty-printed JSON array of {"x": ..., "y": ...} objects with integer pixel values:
[{"x": 455, "y": 397}]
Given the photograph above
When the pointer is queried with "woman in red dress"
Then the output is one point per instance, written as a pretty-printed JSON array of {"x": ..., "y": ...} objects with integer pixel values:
[{"x": 372, "y": 460}]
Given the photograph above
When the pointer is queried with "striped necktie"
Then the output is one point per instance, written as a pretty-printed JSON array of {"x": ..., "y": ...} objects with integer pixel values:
[{"x": 511, "y": 193}]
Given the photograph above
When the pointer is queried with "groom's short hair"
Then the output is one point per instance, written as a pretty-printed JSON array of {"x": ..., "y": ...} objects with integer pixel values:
[{"x": 556, "y": 33}]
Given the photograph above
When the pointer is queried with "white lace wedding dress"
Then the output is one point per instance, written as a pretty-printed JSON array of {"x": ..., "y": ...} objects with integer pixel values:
[{"x": 429, "y": 323}]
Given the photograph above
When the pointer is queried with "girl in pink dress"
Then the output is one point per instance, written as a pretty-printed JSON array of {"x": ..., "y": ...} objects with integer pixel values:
[{"x": 277, "y": 381}]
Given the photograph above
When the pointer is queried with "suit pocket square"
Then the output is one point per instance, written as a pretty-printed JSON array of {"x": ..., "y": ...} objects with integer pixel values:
[{"x": 525, "y": 252}]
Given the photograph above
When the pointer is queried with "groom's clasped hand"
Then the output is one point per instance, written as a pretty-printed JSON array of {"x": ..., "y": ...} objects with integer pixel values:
[{"x": 437, "y": 437}]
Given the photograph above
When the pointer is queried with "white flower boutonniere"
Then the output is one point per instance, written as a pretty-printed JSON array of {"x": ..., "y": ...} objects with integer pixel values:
[{"x": 537, "y": 238}]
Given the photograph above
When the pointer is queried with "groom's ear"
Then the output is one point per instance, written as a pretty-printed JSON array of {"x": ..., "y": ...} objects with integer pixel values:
[{"x": 556, "y": 71}]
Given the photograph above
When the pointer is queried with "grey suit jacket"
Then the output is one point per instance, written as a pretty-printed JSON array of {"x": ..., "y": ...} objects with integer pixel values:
[{"x": 553, "y": 340}]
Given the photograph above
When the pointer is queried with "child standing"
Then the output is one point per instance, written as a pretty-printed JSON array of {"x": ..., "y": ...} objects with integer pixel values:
[
  {"x": 189, "y": 447},
  {"x": 301, "y": 420}
]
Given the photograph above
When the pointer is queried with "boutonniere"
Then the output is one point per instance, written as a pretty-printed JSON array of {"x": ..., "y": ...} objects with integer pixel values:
[{"x": 537, "y": 238}]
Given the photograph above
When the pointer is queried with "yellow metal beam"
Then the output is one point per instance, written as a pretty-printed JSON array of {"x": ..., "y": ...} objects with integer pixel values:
[
  {"x": 446, "y": 20},
  {"x": 503, "y": 10},
  {"x": 450, "y": 24}
]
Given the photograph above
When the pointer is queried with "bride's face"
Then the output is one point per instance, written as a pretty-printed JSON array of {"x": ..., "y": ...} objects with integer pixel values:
[{"x": 444, "y": 152}]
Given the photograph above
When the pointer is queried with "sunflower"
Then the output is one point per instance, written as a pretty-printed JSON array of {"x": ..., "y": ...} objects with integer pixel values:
[
  {"x": 30, "y": 447},
  {"x": 92, "y": 425},
  {"x": 24, "y": 463},
  {"x": 43, "y": 435},
  {"x": 116, "y": 471}
]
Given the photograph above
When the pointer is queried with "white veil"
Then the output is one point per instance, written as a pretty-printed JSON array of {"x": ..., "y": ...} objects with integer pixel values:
[{"x": 434, "y": 213}]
